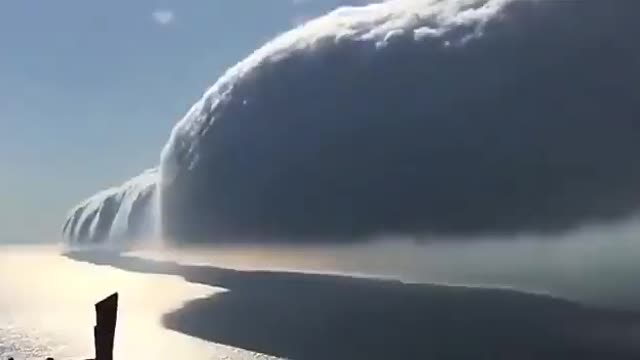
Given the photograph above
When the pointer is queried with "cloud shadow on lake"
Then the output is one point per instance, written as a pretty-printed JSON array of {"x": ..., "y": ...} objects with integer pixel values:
[{"x": 313, "y": 317}]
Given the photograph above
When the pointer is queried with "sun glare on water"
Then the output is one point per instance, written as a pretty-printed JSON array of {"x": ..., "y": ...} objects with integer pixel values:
[{"x": 47, "y": 309}]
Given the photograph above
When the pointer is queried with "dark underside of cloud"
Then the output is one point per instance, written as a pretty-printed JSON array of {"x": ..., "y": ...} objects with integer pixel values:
[
  {"x": 496, "y": 119},
  {"x": 534, "y": 125}
]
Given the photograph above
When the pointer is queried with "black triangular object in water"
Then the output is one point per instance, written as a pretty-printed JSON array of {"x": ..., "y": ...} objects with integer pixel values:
[{"x": 105, "y": 329}]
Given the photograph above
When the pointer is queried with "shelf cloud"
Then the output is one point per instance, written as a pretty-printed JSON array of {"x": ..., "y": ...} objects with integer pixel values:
[{"x": 446, "y": 117}]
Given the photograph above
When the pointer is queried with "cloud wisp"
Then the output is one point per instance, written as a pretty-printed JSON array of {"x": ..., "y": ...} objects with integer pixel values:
[{"x": 163, "y": 16}]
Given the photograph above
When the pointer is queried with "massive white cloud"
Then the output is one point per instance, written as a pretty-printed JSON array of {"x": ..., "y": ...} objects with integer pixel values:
[
  {"x": 456, "y": 117},
  {"x": 117, "y": 214}
]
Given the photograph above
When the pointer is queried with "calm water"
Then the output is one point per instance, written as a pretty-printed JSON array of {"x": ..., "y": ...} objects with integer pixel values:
[{"x": 46, "y": 309}]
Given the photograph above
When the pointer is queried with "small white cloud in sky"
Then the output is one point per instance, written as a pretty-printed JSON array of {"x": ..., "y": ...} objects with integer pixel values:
[{"x": 163, "y": 16}]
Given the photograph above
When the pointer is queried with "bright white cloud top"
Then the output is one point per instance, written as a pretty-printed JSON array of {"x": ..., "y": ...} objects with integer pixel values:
[{"x": 456, "y": 117}]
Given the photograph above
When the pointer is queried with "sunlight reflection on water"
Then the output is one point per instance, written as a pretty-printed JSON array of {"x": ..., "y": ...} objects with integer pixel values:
[{"x": 47, "y": 309}]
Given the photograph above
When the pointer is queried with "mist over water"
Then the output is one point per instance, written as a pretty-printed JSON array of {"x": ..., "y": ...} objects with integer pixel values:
[{"x": 596, "y": 264}]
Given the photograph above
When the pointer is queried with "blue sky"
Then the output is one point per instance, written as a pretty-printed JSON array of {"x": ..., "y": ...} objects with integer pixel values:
[{"x": 89, "y": 90}]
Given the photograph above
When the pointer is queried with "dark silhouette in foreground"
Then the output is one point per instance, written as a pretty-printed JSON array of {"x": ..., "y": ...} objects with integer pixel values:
[
  {"x": 308, "y": 316},
  {"x": 105, "y": 329}
]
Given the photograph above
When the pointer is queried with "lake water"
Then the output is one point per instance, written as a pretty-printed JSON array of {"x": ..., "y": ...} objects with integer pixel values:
[{"x": 46, "y": 307}]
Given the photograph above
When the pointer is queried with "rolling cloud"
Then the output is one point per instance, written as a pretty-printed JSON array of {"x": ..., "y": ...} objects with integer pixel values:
[
  {"x": 120, "y": 213},
  {"x": 461, "y": 118}
]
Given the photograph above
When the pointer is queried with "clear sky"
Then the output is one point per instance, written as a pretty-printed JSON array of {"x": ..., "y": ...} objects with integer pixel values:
[{"x": 89, "y": 90}]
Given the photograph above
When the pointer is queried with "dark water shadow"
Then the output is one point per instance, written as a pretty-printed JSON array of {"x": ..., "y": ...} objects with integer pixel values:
[{"x": 309, "y": 316}]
